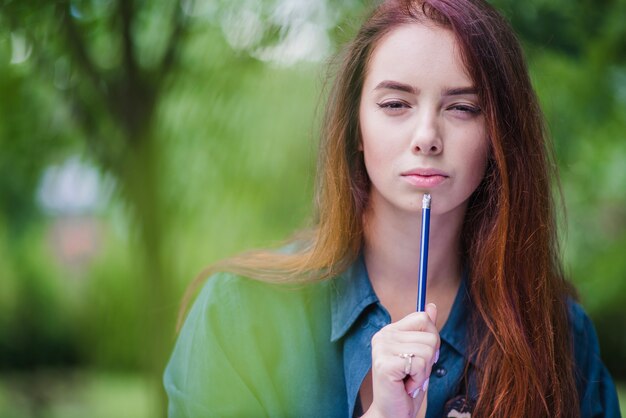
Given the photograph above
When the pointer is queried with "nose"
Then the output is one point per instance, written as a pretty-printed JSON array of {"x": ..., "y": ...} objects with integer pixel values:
[{"x": 427, "y": 136}]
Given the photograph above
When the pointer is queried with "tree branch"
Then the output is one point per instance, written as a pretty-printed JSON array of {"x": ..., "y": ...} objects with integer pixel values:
[
  {"x": 77, "y": 48},
  {"x": 126, "y": 11},
  {"x": 170, "y": 56}
]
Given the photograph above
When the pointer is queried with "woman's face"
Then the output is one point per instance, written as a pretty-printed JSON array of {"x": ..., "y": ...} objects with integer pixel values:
[{"x": 422, "y": 127}]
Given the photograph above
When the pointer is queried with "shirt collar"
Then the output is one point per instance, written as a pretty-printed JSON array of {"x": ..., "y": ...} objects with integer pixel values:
[
  {"x": 454, "y": 331},
  {"x": 351, "y": 293}
]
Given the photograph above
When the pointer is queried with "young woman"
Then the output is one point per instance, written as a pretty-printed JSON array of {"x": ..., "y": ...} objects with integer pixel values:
[{"x": 433, "y": 97}]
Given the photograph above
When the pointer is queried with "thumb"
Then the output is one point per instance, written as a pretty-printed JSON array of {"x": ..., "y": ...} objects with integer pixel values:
[{"x": 431, "y": 311}]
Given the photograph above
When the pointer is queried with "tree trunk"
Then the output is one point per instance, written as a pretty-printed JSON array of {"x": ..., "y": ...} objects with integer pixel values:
[{"x": 142, "y": 186}]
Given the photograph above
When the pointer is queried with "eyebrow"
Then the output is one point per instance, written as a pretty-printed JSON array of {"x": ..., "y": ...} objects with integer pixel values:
[
  {"x": 460, "y": 91},
  {"x": 407, "y": 88},
  {"x": 395, "y": 85}
]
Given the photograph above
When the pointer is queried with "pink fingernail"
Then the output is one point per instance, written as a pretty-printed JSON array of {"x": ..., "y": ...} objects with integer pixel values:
[
  {"x": 415, "y": 393},
  {"x": 425, "y": 385},
  {"x": 437, "y": 356}
]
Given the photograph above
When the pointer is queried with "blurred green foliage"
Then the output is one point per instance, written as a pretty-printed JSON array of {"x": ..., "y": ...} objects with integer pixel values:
[
  {"x": 201, "y": 117},
  {"x": 76, "y": 395}
]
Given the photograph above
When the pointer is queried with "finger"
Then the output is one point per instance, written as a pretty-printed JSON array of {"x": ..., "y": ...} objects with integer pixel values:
[
  {"x": 418, "y": 395},
  {"x": 431, "y": 310},
  {"x": 413, "y": 387},
  {"x": 408, "y": 364},
  {"x": 420, "y": 389},
  {"x": 411, "y": 362},
  {"x": 392, "y": 336},
  {"x": 416, "y": 321},
  {"x": 423, "y": 344},
  {"x": 418, "y": 379}
]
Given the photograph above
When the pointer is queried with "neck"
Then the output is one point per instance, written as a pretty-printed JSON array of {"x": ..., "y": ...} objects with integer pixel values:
[{"x": 392, "y": 247}]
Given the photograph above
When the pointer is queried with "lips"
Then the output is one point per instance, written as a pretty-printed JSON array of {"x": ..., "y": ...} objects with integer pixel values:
[{"x": 425, "y": 177}]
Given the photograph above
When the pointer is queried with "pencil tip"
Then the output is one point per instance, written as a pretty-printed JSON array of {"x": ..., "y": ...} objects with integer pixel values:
[{"x": 426, "y": 201}]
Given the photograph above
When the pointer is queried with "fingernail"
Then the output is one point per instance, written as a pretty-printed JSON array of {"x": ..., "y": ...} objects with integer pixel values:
[
  {"x": 415, "y": 393},
  {"x": 437, "y": 356},
  {"x": 425, "y": 385}
]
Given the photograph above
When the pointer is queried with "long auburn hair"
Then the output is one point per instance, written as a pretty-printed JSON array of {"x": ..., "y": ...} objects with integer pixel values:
[{"x": 520, "y": 331}]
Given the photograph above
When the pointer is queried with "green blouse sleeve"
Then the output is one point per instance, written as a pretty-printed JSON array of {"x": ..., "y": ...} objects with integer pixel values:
[
  {"x": 208, "y": 374},
  {"x": 251, "y": 349}
]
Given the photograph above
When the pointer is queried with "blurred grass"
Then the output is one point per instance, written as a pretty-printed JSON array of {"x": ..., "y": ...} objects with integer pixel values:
[
  {"x": 621, "y": 393},
  {"x": 74, "y": 394}
]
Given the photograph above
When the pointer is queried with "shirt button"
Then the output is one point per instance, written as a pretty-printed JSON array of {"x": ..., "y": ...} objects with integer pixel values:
[{"x": 440, "y": 371}]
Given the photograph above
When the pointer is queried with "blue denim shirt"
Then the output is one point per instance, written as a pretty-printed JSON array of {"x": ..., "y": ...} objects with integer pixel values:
[
  {"x": 357, "y": 315},
  {"x": 250, "y": 349}
]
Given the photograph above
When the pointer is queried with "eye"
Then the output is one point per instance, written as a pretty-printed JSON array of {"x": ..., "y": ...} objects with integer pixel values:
[
  {"x": 393, "y": 106},
  {"x": 465, "y": 109}
]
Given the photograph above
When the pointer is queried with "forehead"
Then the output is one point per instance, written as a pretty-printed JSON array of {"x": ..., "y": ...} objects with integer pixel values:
[{"x": 412, "y": 51}]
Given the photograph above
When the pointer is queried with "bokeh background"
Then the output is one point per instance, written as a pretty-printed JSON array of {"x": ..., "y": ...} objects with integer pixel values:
[{"x": 142, "y": 140}]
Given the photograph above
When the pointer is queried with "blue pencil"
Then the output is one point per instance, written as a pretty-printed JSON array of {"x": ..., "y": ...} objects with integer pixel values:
[{"x": 421, "y": 283}]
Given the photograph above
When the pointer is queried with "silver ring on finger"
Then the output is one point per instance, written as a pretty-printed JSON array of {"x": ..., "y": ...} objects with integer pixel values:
[{"x": 408, "y": 362}]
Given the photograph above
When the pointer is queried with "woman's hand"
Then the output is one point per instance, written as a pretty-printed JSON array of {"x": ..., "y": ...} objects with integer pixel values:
[{"x": 403, "y": 354}]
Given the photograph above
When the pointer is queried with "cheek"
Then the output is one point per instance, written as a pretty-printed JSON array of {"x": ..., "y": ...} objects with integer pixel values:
[
  {"x": 379, "y": 148},
  {"x": 477, "y": 158},
  {"x": 372, "y": 142},
  {"x": 476, "y": 149},
  {"x": 374, "y": 157},
  {"x": 381, "y": 142},
  {"x": 379, "y": 158}
]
